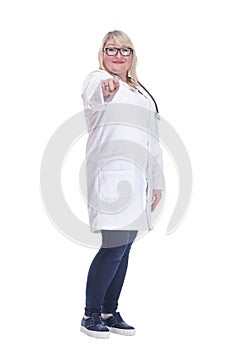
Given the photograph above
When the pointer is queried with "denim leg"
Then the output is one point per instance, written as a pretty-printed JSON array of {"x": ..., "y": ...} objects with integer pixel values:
[
  {"x": 112, "y": 295},
  {"x": 104, "y": 269}
]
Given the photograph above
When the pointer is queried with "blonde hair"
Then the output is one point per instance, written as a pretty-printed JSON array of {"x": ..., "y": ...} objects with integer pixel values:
[{"x": 122, "y": 38}]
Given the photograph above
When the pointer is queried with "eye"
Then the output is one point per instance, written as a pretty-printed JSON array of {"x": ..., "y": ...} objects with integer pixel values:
[
  {"x": 125, "y": 51},
  {"x": 111, "y": 49}
]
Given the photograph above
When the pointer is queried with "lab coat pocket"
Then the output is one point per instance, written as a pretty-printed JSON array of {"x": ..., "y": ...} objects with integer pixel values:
[{"x": 115, "y": 184}]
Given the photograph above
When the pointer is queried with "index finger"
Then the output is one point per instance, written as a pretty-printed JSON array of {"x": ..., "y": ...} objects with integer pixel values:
[{"x": 115, "y": 81}]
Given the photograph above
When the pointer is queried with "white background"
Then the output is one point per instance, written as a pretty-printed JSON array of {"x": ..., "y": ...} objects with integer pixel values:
[{"x": 178, "y": 291}]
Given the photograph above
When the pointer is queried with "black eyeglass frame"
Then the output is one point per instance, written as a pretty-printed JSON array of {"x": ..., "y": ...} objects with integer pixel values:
[{"x": 118, "y": 50}]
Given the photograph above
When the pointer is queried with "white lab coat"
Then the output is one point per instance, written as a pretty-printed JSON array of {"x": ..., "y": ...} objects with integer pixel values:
[{"x": 124, "y": 159}]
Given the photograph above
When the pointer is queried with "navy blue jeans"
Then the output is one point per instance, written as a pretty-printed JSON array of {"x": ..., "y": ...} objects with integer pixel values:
[{"x": 107, "y": 272}]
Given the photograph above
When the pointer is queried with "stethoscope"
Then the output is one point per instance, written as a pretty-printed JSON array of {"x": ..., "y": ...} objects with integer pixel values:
[{"x": 156, "y": 106}]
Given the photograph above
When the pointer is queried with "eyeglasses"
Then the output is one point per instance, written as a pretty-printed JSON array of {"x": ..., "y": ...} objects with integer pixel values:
[{"x": 113, "y": 51}]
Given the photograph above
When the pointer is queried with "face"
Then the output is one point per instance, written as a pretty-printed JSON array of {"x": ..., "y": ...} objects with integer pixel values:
[{"x": 117, "y": 64}]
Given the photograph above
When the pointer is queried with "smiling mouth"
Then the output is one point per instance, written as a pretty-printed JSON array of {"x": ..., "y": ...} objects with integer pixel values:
[{"x": 118, "y": 62}]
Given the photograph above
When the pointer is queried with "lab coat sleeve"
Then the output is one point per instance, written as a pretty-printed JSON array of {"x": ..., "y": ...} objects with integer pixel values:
[
  {"x": 92, "y": 94},
  {"x": 158, "y": 182}
]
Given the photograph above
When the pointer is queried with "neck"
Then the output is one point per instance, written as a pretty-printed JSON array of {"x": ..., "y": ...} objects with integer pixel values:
[{"x": 122, "y": 77}]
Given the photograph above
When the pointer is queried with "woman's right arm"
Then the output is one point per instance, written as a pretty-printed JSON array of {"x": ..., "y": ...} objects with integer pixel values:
[{"x": 97, "y": 90}]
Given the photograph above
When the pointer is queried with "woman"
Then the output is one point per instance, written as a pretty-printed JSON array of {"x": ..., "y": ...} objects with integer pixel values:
[{"x": 124, "y": 176}]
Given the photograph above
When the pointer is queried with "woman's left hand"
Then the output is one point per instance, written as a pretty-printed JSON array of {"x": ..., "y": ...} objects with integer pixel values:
[{"x": 156, "y": 196}]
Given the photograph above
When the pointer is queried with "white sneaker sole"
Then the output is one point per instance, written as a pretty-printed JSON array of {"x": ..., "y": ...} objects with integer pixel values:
[
  {"x": 93, "y": 334},
  {"x": 122, "y": 331}
]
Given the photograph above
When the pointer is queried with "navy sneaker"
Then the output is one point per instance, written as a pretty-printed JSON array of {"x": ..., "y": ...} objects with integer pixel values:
[
  {"x": 117, "y": 325},
  {"x": 94, "y": 327}
]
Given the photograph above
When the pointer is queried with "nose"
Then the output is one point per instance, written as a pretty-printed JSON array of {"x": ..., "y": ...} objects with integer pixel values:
[{"x": 118, "y": 54}]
